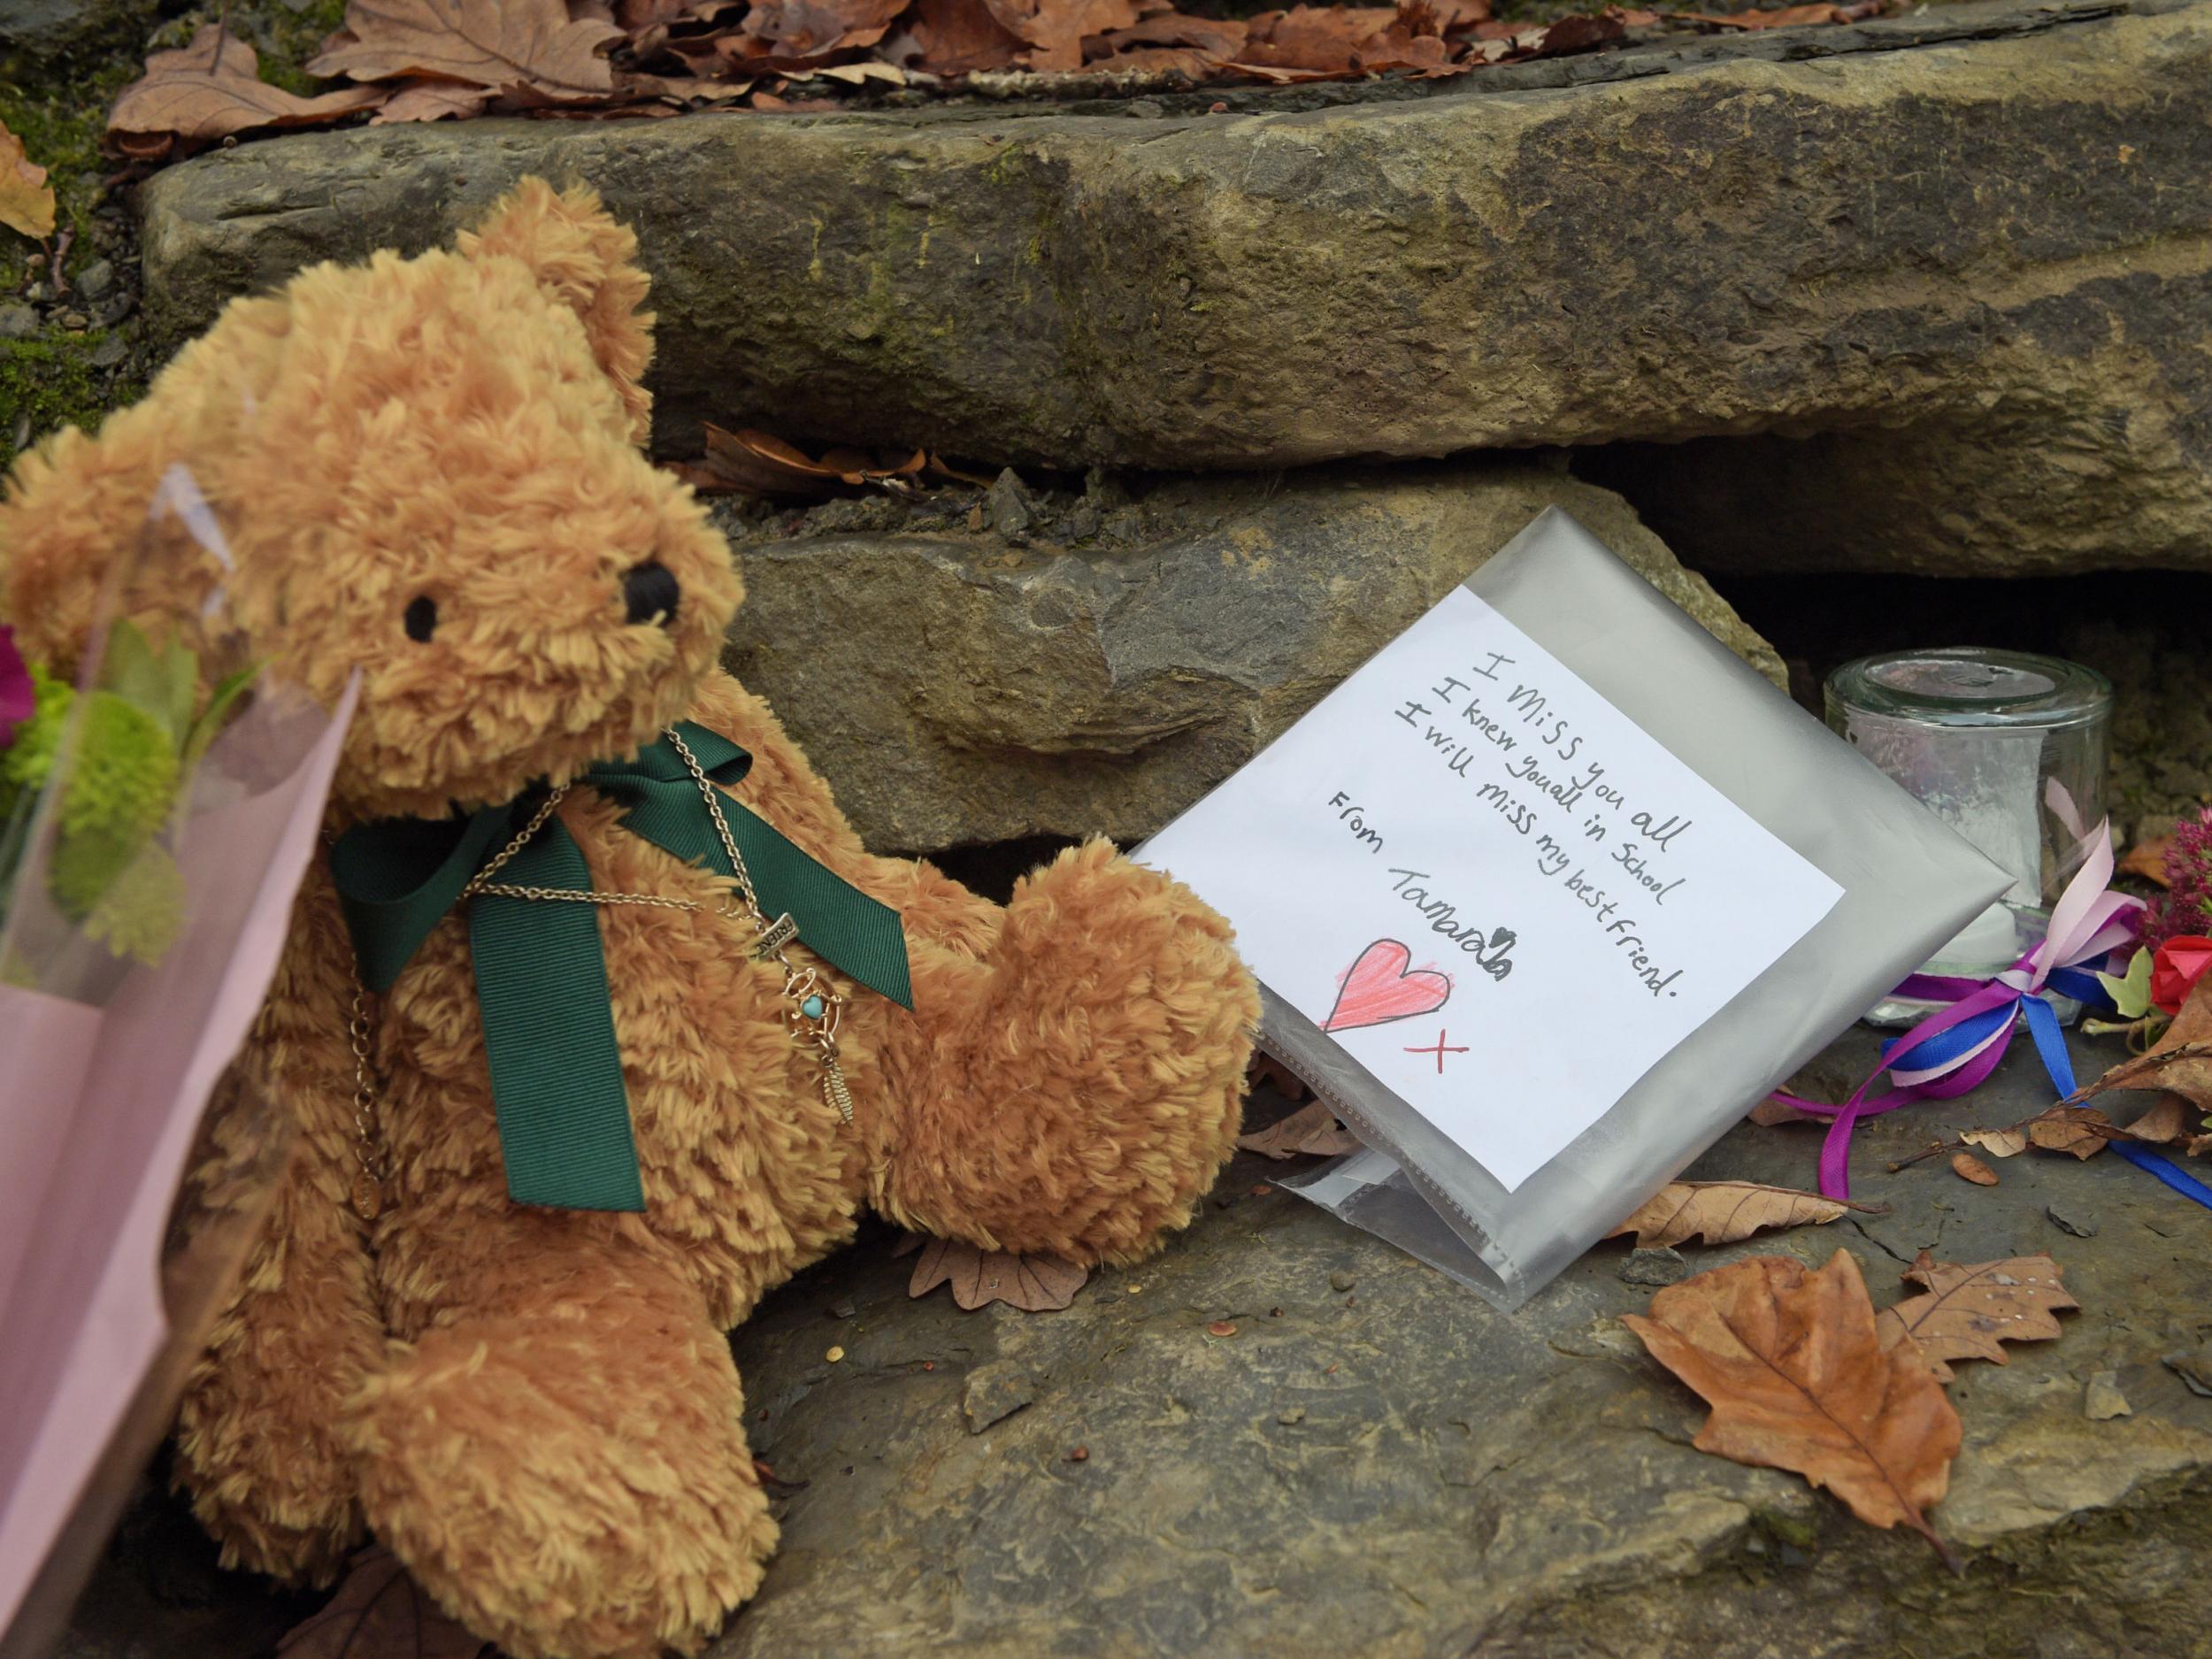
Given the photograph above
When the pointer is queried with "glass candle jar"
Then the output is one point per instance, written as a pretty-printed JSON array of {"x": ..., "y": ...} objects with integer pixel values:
[{"x": 2008, "y": 748}]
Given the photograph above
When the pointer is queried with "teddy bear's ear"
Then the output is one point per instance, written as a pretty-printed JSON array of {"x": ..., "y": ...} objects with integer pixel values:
[{"x": 587, "y": 261}]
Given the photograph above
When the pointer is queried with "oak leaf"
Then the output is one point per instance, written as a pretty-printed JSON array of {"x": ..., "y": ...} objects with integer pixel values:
[
  {"x": 512, "y": 46},
  {"x": 1798, "y": 1379},
  {"x": 2180, "y": 1060},
  {"x": 1967, "y": 1167},
  {"x": 378, "y": 1612},
  {"x": 1967, "y": 1311},
  {"x": 26, "y": 200},
  {"x": 1723, "y": 1212},
  {"x": 1311, "y": 1130},
  {"x": 206, "y": 92},
  {"x": 1035, "y": 1284}
]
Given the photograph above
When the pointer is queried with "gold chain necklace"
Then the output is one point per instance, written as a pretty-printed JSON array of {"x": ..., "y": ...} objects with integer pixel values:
[{"x": 813, "y": 1007}]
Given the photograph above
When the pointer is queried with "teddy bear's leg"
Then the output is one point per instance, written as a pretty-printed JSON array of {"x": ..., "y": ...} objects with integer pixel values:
[
  {"x": 1074, "y": 1092},
  {"x": 560, "y": 1457},
  {"x": 257, "y": 1442}
]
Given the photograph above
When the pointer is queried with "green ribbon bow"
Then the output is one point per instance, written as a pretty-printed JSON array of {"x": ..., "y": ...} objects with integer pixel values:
[{"x": 542, "y": 970}]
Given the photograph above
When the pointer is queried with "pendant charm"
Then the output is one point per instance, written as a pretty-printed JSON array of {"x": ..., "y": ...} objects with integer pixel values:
[
  {"x": 833, "y": 1089},
  {"x": 774, "y": 937},
  {"x": 368, "y": 1197}
]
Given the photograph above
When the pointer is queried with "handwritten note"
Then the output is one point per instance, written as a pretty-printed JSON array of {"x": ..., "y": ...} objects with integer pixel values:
[{"x": 1498, "y": 892}]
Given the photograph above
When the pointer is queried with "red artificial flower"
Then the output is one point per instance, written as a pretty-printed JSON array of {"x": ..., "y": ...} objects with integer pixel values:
[
  {"x": 18, "y": 696},
  {"x": 2180, "y": 963}
]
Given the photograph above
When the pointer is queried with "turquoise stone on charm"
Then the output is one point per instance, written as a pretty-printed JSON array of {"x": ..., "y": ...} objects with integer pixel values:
[{"x": 811, "y": 1008}]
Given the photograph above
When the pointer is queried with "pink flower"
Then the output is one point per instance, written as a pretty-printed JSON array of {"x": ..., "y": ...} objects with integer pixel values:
[
  {"x": 18, "y": 696},
  {"x": 2185, "y": 908}
]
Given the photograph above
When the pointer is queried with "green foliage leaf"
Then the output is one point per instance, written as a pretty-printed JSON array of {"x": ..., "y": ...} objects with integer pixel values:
[
  {"x": 2131, "y": 993},
  {"x": 219, "y": 702},
  {"x": 165, "y": 683}
]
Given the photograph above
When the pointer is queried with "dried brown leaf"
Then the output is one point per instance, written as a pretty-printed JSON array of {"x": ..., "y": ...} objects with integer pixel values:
[
  {"x": 2147, "y": 859},
  {"x": 431, "y": 101},
  {"x": 1035, "y": 1284},
  {"x": 1999, "y": 1143},
  {"x": 1967, "y": 1167},
  {"x": 760, "y": 463},
  {"x": 508, "y": 45},
  {"x": 204, "y": 93},
  {"x": 1266, "y": 1069},
  {"x": 1219, "y": 38},
  {"x": 26, "y": 200},
  {"x": 378, "y": 1612},
  {"x": 1786, "y": 17},
  {"x": 2168, "y": 1120},
  {"x": 1797, "y": 1378},
  {"x": 2080, "y": 1130},
  {"x": 959, "y": 37},
  {"x": 1770, "y": 1114},
  {"x": 1326, "y": 38},
  {"x": 1722, "y": 1212},
  {"x": 1967, "y": 1311},
  {"x": 1055, "y": 29},
  {"x": 1310, "y": 1130},
  {"x": 2180, "y": 1060},
  {"x": 796, "y": 33}
]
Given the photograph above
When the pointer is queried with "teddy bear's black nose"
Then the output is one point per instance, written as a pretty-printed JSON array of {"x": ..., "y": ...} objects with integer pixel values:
[{"x": 650, "y": 593}]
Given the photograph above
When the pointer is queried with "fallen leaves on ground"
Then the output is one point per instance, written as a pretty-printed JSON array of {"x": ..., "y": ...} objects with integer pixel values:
[
  {"x": 1999, "y": 1143},
  {"x": 1965, "y": 1312},
  {"x": 2082, "y": 1130},
  {"x": 2179, "y": 1061},
  {"x": 436, "y": 59},
  {"x": 1967, "y": 1167},
  {"x": 528, "y": 50},
  {"x": 1771, "y": 1113},
  {"x": 1724, "y": 1211},
  {"x": 26, "y": 200},
  {"x": 206, "y": 92},
  {"x": 378, "y": 1612},
  {"x": 1035, "y": 1284},
  {"x": 1790, "y": 16},
  {"x": 1799, "y": 1378},
  {"x": 1265, "y": 1068},
  {"x": 760, "y": 463},
  {"x": 1311, "y": 1131}
]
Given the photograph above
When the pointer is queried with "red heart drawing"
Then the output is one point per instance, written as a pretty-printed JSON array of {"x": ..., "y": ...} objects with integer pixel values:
[{"x": 1381, "y": 988}]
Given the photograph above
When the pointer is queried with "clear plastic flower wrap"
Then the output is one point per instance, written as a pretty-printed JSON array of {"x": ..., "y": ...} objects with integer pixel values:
[
  {"x": 1822, "y": 884},
  {"x": 160, "y": 800}
]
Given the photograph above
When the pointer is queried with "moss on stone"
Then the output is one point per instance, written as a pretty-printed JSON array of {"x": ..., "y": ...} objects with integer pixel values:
[
  {"x": 61, "y": 120},
  {"x": 49, "y": 383}
]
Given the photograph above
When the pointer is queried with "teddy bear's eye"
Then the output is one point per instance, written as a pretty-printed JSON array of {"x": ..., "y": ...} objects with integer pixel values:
[{"x": 421, "y": 618}]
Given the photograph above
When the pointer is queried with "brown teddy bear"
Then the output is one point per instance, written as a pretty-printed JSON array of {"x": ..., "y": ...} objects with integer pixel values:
[{"x": 428, "y": 474}]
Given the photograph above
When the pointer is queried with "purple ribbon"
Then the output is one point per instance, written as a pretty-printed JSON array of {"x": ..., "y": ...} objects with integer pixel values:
[{"x": 1953, "y": 1050}]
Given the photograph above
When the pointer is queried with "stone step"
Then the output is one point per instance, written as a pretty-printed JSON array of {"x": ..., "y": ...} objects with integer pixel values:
[
  {"x": 1991, "y": 224},
  {"x": 1394, "y": 1470},
  {"x": 1093, "y": 665}
]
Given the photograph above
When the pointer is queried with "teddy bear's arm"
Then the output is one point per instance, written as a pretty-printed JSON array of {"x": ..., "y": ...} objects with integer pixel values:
[
  {"x": 1071, "y": 1077},
  {"x": 257, "y": 1438}
]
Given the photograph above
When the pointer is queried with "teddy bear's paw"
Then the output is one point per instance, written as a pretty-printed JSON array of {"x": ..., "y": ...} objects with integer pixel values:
[
  {"x": 1097, "y": 1093},
  {"x": 571, "y": 1482}
]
